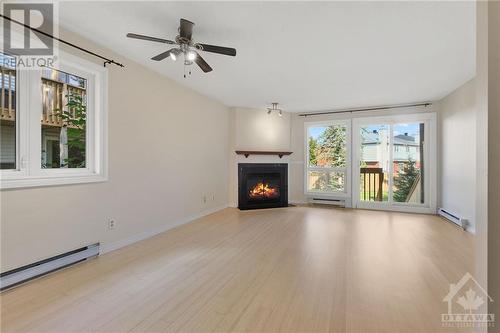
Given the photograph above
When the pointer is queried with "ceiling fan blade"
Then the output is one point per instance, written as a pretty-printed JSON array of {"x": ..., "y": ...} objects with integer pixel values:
[
  {"x": 186, "y": 29},
  {"x": 151, "y": 39},
  {"x": 218, "y": 49},
  {"x": 202, "y": 63},
  {"x": 162, "y": 56}
]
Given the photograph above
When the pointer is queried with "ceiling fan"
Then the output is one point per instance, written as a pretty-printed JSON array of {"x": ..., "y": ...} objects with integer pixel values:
[{"x": 187, "y": 47}]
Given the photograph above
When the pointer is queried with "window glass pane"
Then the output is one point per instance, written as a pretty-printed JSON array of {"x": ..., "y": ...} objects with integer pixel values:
[
  {"x": 8, "y": 109},
  {"x": 326, "y": 181},
  {"x": 327, "y": 146},
  {"x": 408, "y": 143},
  {"x": 374, "y": 163},
  {"x": 64, "y": 120}
]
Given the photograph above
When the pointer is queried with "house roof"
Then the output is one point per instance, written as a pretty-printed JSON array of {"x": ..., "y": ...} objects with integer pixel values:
[
  {"x": 404, "y": 139},
  {"x": 400, "y": 140}
]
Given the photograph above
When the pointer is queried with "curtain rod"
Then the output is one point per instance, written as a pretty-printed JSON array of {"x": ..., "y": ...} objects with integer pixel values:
[
  {"x": 107, "y": 61},
  {"x": 365, "y": 109}
]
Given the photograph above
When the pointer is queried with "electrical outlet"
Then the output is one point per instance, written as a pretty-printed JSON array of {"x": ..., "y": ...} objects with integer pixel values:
[{"x": 111, "y": 224}]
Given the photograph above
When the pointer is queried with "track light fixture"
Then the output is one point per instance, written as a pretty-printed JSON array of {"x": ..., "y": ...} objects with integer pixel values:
[{"x": 274, "y": 107}]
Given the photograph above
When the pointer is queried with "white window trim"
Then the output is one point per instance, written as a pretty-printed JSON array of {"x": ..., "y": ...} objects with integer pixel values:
[
  {"x": 430, "y": 155},
  {"x": 29, "y": 107},
  {"x": 347, "y": 170}
]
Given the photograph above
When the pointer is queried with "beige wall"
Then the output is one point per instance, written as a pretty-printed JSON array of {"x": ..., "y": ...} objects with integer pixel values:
[
  {"x": 254, "y": 129},
  {"x": 457, "y": 147},
  {"x": 168, "y": 147},
  {"x": 494, "y": 162},
  {"x": 257, "y": 130}
]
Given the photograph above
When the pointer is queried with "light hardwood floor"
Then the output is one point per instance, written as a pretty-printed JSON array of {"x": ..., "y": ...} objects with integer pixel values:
[{"x": 297, "y": 269}]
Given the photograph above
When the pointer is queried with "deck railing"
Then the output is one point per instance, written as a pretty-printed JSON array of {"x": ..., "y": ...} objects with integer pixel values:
[
  {"x": 373, "y": 183},
  {"x": 54, "y": 100},
  {"x": 8, "y": 94}
]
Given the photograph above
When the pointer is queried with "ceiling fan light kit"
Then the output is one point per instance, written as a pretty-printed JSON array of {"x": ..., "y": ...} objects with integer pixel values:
[
  {"x": 187, "y": 47},
  {"x": 175, "y": 53}
]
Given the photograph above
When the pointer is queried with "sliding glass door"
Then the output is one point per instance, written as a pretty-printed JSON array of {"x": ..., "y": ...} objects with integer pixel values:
[{"x": 393, "y": 163}]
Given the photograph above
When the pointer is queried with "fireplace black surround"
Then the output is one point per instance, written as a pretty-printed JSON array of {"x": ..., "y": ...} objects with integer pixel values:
[{"x": 262, "y": 185}]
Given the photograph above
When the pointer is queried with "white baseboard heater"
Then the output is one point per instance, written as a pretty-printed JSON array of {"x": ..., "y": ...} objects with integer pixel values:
[
  {"x": 335, "y": 202},
  {"x": 460, "y": 221},
  {"x": 23, "y": 274}
]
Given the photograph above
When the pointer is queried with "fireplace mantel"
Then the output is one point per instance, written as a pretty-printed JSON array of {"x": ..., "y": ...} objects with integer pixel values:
[{"x": 262, "y": 152}]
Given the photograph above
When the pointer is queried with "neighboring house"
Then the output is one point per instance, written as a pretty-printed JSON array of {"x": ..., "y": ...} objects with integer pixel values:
[{"x": 374, "y": 152}]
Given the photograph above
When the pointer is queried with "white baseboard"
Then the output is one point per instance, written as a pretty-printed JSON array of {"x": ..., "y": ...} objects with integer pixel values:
[
  {"x": 105, "y": 248},
  {"x": 297, "y": 202}
]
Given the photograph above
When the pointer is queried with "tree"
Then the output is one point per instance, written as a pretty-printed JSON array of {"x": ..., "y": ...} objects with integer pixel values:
[
  {"x": 329, "y": 150},
  {"x": 332, "y": 147},
  {"x": 313, "y": 145},
  {"x": 407, "y": 176},
  {"x": 73, "y": 132}
]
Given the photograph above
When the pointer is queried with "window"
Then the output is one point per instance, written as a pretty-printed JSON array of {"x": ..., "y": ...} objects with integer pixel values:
[
  {"x": 52, "y": 123},
  {"x": 327, "y": 158}
]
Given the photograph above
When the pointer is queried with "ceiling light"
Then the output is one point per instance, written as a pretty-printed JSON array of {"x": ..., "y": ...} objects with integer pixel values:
[
  {"x": 174, "y": 54},
  {"x": 190, "y": 56},
  {"x": 274, "y": 107}
]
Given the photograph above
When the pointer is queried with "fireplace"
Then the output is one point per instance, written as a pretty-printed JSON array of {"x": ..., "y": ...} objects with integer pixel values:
[{"x": 262, "y": 185}]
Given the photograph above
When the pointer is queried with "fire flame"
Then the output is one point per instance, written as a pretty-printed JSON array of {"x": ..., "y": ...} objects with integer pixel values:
[{"x": 263, "y": 190}]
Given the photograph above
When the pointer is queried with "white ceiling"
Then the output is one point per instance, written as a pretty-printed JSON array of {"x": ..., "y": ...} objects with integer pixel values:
[{"x": 307, "y": 56}]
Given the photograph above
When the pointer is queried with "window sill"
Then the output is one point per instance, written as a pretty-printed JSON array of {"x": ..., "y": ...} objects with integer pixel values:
[{"x": 27, "y": 182}]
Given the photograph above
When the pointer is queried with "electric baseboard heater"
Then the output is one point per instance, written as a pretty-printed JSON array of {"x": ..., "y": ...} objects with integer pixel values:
[
  {"x": 29, "y": 272},
  {"x": 460, "y": 221},
  {"x": 335, "y": 202}
]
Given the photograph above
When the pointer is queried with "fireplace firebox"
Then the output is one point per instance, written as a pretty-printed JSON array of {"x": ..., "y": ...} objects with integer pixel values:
[{"x": 262, "y": 185}]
